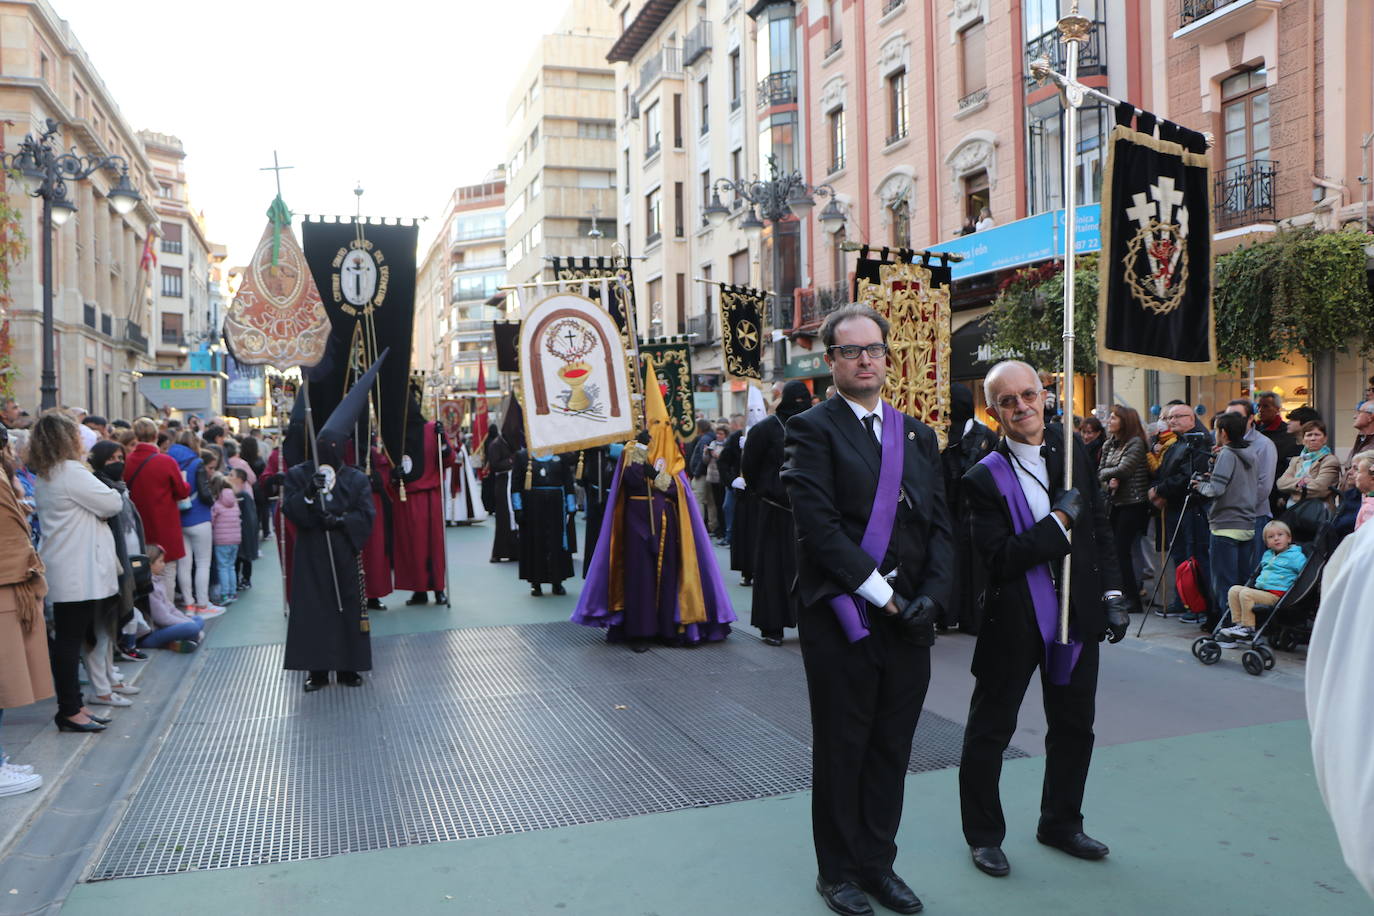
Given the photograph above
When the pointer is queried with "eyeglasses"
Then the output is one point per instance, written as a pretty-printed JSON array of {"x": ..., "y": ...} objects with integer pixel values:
[
  {"x": 1009, "y": 401},
  {"x": 852, "y": 351}
]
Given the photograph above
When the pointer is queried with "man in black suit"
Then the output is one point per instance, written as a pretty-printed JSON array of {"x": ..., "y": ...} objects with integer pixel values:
[
  {"x": 866, "y": 694},
  {"x": 1022, "y": 566}
]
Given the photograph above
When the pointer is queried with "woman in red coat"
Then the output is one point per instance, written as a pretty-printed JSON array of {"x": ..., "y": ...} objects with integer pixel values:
[{"x": 156, "y": 485}]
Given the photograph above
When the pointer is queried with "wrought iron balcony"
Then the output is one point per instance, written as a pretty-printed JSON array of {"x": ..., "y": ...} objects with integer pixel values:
[
  {"x": 778, "y": 89},
  {"x": 703, "y": 326},
  {"x": 1092, "y": 56},
  {"x": 134, "y": 338},
  {"x": 1244, "y": 194},
  {"x": 1193, "y": 10},
  {"x": 890, "y": 5},
  {"x": 697, "y": 42},
  {"x": 814, "y": 303},
  {"x": 667, "y": 61},
  {"x": 973, "y": 99}
]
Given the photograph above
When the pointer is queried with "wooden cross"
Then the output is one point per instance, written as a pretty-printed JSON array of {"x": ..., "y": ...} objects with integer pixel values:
[{"x": 278, "y": 168}]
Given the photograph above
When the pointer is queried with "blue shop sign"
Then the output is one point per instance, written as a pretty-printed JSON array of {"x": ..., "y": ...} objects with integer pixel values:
[{"x": 1026, "y": 241}]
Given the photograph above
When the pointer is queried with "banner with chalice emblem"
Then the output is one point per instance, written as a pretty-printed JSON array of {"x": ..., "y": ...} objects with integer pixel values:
[
  {"x": 741, "y": 330},
  {"x": 1155, "y": 297}
]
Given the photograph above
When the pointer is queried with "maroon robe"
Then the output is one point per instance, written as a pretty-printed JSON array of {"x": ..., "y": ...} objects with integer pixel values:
[
  {"x": 418, "y": 554},
  {"x": 377, "y": 552}
]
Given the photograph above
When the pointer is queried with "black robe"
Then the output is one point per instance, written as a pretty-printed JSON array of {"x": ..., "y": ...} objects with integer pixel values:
[
  {"x": 598, "y": 470},
  {"x": 318, "y": 636},
  {"x": 505, "y": 544},
  {"x": 957, "y": 458},
  {"x": 545, "y": 548},
  {"x": 774, "y": 534}
]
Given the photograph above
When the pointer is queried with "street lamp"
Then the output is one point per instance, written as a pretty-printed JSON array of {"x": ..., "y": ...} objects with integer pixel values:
[
  {"x": 44, "y": 172},
  {"x": 773, "y": 201}
]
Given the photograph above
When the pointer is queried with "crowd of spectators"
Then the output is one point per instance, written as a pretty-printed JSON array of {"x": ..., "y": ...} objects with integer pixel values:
[{"x": 114, "y": 537}]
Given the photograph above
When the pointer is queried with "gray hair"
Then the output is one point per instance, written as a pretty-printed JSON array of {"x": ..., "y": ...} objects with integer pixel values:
[
  {"x": 846, "y": 312},
  {"x": 1278, "y": 400},
  {"x": 1002, "y": 367}
]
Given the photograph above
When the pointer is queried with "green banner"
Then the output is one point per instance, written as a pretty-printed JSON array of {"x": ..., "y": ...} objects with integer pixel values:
[{"x": 673, "y": 364}]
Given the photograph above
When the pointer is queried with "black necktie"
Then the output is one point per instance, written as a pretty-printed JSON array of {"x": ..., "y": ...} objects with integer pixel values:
[{"x": 868, "y": 425}]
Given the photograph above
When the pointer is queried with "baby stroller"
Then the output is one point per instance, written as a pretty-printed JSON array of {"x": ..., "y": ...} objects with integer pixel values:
[{"x": 1290, "y": 617}]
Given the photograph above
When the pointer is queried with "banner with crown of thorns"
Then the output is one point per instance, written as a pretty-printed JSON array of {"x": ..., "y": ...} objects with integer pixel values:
[{"x": 911, "y": 291}]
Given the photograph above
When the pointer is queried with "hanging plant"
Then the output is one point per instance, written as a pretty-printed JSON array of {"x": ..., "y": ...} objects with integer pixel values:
[
  {"x": 1027, "y": 319},
  {"x": 1301, "y": 290}
]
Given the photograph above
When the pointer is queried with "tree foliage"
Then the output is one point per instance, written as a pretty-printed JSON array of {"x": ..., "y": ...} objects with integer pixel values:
[
  {"x": 1027, "y": 319},
  {"x": 13, "y": 249}
]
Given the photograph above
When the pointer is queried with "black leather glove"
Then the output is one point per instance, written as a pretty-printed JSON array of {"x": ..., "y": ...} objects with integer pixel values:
[
  {"x": 1118, "y": 618},
  {"x": 1070, "y": 502},
  {"x": 519, "y": 517},
  {"x": 333, "y": 521},
  {"x": 319, "y": 481},
  {"x": 918, "y": 619}
]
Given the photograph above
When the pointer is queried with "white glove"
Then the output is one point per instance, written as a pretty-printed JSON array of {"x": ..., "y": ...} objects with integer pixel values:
[{"x": 738, "y": 483}]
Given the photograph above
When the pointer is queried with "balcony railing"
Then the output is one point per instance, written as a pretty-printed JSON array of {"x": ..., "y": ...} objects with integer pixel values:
[
  {"x": 899, "y": 134},
  {"x": 1092, "y": 56},
  {"x": 697, "y": 42},
  {"x": 171, "y": 247},
  {"x": 134, "y": 338},
  {"x": 703, "y": 326},
  {"x": 173, "y": 338},
  {"x": 667, "y": 61},
  {"x": 778, "y": 89},
  {"x": 1244, "y": 194},
  {"x": 1193, "y": 10},
  {"x": 814, "y": 303},
  {"x": 890, "y": 5}
]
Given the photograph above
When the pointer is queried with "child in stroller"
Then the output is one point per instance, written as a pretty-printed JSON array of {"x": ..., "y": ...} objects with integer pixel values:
[{"x": 1279, "y": 568}]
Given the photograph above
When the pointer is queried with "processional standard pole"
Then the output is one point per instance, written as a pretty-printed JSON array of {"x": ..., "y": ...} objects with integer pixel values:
[{"x": 1073, "y": 30}]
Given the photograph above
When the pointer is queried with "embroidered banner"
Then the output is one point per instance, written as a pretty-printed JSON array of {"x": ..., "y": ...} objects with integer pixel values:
[
  {"x": 673, "y": 365},
  {"x": 1155, "y": 300},
  {"x": 913, "y": 295},
  {"x": 741, "y": 330},
  {"x": 622, "y": 294},
  {"x": 575, "y": 385},
  {"x": 277, "y": 318},
  {"x": 366, "y": 274}
]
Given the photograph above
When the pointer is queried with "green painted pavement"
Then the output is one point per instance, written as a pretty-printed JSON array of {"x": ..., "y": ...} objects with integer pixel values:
[{"x": 1219, "y": 823}]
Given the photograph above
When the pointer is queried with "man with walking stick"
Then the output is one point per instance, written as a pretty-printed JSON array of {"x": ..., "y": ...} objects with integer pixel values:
[{"x": 1023, "y": 523}]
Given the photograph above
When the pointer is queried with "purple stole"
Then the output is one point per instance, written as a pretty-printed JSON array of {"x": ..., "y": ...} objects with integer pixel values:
[
  {"x": 1059, "y": 659},
  {"x": 849, "y": 609}
]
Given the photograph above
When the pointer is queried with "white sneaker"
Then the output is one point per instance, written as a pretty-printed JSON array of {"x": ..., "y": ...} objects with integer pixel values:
[
  {"x": 1237, "y": 631},
  {"x": 13, "y": 782},
  {"x": 211, "y": 610},
  {"x": 114, "y": 700},
  {"x": 129, "y": 690},
  {"x": 17, "y": 767}
]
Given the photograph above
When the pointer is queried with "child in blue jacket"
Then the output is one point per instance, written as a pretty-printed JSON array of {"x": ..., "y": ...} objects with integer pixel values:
[{"x": 1278, "y": 571}]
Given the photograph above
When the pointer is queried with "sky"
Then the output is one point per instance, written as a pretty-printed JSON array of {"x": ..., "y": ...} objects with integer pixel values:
[{"x": 407, "y": 97}]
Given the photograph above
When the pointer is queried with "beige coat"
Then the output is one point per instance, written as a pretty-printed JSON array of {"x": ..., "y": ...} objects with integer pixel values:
[
  {"x": 25, "y": 676},
  {"x": 1323, "y": 480},
  {"x": 77, "y": 548}
]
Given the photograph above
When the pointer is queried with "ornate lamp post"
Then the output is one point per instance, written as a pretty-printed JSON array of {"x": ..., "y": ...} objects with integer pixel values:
[
  {"x": 772, "y": 201},
  {"x": 44, "y": 173}
]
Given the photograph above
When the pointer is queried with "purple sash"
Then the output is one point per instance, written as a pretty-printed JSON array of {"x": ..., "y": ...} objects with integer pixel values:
[
  {"x": 1059, "y": 659},
  {"x": 850, "y": 608}
]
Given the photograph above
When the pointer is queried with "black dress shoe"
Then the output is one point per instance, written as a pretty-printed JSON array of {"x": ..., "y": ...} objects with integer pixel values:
[
  {"x": 418, "y": 598},
  {"x": 67, "y": 725},
  {"x": 893, "y": 893},
  {"x": 990, "y": 860},
  {"x": 440, "y": 598},
  {"x": 558, "y": 589},
  {"x": 1075, "y": 844},
  {"x": 374, "y": 604},
  {"x": 349, "y": 678},
  {"x": 313, "y": 683},
  {"x": 772, "y": 640},
  {"x": 536, "y": 591},
  {"x": 844, "y": 897}
]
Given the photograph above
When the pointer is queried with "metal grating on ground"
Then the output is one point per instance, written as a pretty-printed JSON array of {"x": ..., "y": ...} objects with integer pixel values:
[{"x": 467, "y": 733}]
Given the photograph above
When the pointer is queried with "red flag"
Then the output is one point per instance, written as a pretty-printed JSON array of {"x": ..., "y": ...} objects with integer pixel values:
[
  {"x": 149, "y": 258},
  {"x": 480, "y": 420}
]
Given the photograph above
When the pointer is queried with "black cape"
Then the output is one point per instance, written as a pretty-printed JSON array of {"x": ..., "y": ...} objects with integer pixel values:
[
  {"x": 505, "y": 544},
  {"x": 545, "y": 548},
  {"x": 775, "y": 564},
  {"x": 318, "y": 636},
  {"x": 598, "y": 470}
]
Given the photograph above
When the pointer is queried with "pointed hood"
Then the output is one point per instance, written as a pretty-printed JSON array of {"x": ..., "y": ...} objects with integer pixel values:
[
  {"x": 513, "y": 423},
  {"x": 756, "y": 410},
  {"x": 342, "y": 423},
  {"x": 662, "y": 435},
  {"x": 294, "y": 442}
]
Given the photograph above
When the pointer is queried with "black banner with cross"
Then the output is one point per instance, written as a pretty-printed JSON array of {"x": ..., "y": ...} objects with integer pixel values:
[
  {"x": 1155, "y": 299},
  {"x": 741, "y": 330}
]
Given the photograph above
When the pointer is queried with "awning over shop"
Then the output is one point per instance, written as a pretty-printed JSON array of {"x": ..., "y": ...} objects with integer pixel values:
[
  {"x": 1026, "y": 241},
  {"x": 193, "y": 392}
]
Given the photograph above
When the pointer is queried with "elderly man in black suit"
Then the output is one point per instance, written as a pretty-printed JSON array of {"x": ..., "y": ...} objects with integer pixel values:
[
  {"x": 1021, "y": 524},
  {"x": 873, "y": 559}
]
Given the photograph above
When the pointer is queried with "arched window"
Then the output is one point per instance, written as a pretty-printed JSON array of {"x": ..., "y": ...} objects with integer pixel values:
[{"x": 901, "y": 224}]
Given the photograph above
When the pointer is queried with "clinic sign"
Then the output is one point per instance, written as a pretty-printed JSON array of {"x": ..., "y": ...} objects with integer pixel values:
[
  {"x": 1025, "y": 241},
  {"x": 193, "y": 392}
]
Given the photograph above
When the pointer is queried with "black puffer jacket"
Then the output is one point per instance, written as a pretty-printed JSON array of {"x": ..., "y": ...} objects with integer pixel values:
[{"x": 1124, "y": 461}]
